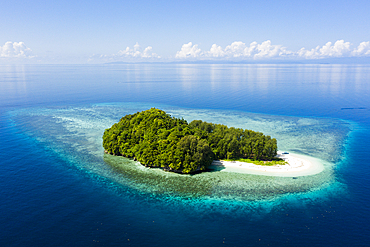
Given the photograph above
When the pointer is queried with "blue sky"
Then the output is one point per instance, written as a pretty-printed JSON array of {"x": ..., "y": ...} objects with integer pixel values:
[{"x": 102, "y": 31}]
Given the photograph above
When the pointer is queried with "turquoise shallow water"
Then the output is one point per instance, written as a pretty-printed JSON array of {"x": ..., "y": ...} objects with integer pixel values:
[
  {"x": 75, "y": 133},
  {"x": 58, "y": 187}
]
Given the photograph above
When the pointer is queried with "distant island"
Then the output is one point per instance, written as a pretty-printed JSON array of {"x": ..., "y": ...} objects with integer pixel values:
[{"x": 156, "y": 139}]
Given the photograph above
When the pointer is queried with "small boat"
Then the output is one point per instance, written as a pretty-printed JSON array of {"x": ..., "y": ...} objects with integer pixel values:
[{"x": 285, "y": 153}]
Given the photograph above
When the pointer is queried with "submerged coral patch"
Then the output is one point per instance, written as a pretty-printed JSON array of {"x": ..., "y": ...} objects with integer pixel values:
[{"x": 75, "y": 133}]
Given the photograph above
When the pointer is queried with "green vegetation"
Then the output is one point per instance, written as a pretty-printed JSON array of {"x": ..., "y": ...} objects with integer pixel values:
[
  {"x": 275, "y": 161},
  {"x": 156, "y": 139}
]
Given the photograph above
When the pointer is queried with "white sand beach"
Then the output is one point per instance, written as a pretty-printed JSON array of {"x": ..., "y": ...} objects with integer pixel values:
[{"x": 298, "y": 165}]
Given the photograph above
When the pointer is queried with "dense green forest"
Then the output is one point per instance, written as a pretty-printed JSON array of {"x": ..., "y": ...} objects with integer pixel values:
[{"x": 156, "y": 139}]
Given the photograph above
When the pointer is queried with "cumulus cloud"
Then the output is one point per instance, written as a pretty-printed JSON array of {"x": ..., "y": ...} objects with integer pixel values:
[
  {"x": 15, "y": 50},
  {"x": 236, "y": 49},
  {"x": 338, "y": 49},
  {"x": 216, "y": 51},
  {"x": 131, "y": 54},
  {"x": 189, "y": 50},
  {"x": 362, "y": 50},
  {"x": 137, "y": 52},
  {"x": 267, "y": 50}
]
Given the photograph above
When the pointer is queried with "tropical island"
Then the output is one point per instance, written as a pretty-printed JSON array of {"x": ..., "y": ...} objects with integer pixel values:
[{"x": 156, "y": 139}]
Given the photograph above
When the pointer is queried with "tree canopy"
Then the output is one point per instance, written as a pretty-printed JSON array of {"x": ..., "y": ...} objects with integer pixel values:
[{"x": 156, "y": 139}]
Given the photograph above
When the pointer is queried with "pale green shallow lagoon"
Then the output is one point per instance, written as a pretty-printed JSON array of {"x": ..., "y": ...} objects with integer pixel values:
[{"x": 75, "y": 134}]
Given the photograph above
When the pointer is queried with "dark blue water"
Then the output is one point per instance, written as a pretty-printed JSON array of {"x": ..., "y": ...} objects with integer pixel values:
[{"x": 50, "y": 196}]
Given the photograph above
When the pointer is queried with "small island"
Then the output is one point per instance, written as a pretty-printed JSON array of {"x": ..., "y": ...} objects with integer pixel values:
[{"x": 156, "y": 139}]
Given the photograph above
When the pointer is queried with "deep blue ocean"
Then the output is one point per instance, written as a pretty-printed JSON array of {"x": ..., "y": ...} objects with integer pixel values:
[{"x": 57, "y": 188}]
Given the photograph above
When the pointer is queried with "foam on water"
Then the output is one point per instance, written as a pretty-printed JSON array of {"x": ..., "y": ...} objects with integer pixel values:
[{"x": 75, "y": 134}]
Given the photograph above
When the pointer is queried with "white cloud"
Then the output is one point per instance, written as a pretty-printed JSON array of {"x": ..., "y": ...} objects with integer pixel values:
[
  {"x": 189, "y": 51},
  {"x": 338, "y": 49},
  {"x": 362, "y": 50},
  {"x": 136, "y": 47},
  {"x": 236, "y": 49},
  {"x": 15, "y": 50},
  {"x": 266, "y": 50},
  {"x": 136, "y": 52},
  {"x": 216, "y": 51},
  {"x": 128, "y": 54}
]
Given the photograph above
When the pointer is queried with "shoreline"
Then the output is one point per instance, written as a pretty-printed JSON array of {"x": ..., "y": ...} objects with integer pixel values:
[{"x": 298, "y": 165}]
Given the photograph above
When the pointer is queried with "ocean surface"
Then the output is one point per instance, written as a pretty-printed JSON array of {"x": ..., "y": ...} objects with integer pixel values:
[{"x": 58, "y": 188}]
